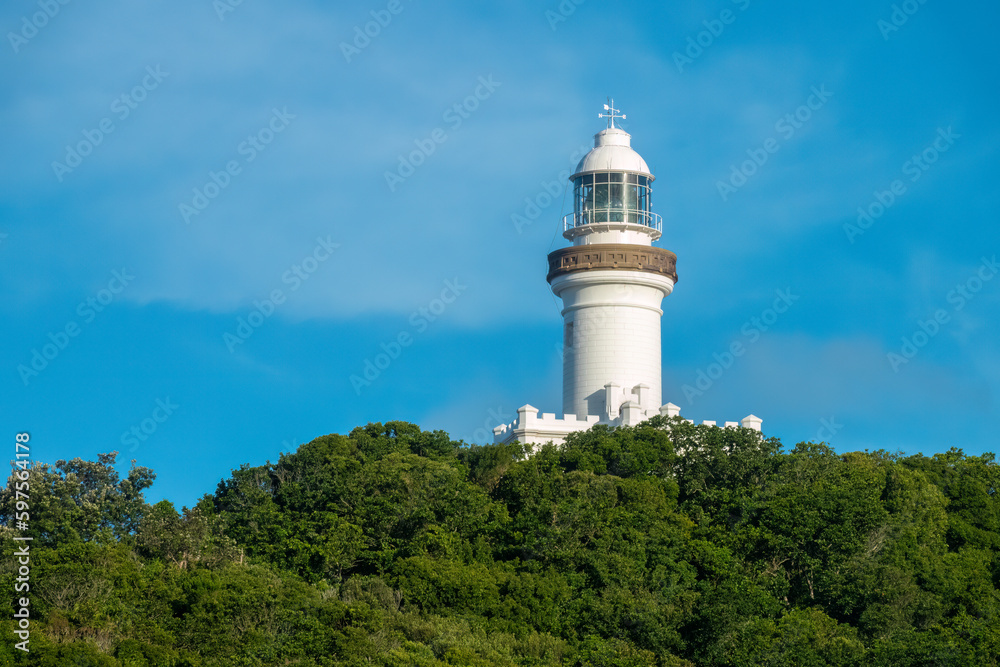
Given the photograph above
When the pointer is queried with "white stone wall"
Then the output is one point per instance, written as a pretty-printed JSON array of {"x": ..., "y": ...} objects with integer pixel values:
[
  {"x": 534, "y": 430},
  {"x": 531, "y": 429}
]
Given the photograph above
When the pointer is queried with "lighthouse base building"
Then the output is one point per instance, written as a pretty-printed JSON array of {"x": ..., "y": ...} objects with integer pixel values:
[{"x": 611, "y": 281}]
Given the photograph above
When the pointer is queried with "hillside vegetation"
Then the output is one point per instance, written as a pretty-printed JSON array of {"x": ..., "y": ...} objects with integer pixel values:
[{"x": 667, "y": 544}]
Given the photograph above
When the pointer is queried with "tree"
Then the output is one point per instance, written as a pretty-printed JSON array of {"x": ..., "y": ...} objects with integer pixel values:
[{"x": 80, "y": 500}]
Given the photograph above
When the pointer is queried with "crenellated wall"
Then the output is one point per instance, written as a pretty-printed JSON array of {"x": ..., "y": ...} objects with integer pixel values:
[{"x": 531, "y": 429}]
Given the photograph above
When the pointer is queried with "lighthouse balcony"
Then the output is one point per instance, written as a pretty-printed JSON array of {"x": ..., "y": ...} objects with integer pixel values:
[{"x": 614, "y": 216}]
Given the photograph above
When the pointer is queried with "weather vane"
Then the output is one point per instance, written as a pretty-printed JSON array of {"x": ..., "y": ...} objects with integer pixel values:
[{"x": 612, "y": 113}]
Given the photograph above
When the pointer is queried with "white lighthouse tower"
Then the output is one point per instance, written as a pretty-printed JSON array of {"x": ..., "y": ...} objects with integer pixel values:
[{"x": 612, "y": 282}]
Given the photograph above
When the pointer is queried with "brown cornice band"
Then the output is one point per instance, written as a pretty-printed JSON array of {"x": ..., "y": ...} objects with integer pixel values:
[{"x": 606, "y": 256}]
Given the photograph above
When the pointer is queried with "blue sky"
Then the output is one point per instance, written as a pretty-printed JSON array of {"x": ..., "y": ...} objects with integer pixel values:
[{"x": 248, "y": 161}]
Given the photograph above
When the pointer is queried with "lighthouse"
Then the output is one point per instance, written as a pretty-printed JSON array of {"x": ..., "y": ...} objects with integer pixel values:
[{"x": 612, "y": 282}]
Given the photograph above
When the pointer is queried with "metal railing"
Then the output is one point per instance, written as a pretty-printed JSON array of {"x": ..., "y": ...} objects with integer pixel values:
[{"x": 613, "y": 216}]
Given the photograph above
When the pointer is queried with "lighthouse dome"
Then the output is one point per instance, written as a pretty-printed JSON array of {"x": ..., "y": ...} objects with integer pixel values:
[
  {"x": 612, "y": 192},
  {"x": 612, "y": 151}
]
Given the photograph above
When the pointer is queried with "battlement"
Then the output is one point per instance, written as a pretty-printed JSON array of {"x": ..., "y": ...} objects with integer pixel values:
[
  {"x": 531, "y": 429},
  {"x": 752, "y": 422}
]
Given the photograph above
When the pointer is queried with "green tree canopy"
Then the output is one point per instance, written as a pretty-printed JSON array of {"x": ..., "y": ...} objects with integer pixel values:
[{"x": 668, "y": 544}]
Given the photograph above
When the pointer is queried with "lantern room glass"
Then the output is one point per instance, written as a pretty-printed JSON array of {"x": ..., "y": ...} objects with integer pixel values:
[{"x": 613, "y": 197}]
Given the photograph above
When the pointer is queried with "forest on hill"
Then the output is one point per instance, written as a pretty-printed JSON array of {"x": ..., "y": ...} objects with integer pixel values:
[{"x": 668, "y": 544}]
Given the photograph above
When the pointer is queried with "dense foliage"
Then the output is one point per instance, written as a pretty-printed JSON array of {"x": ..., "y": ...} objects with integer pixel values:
[{"x": 667, "y": 544}]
